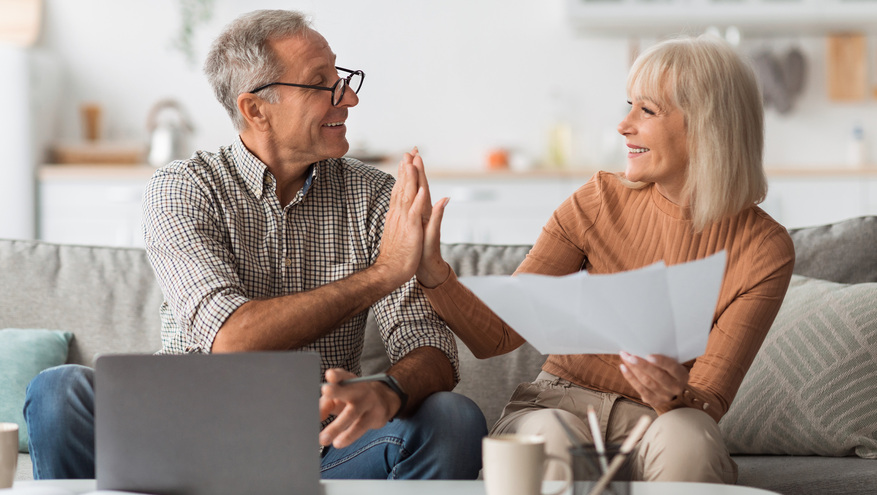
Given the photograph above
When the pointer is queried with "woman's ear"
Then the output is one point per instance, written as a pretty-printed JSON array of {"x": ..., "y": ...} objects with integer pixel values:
[{"x": 251, "y": 108}]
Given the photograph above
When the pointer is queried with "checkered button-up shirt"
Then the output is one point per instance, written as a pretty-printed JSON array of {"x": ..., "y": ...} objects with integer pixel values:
[{"x": 217, "y": 237}]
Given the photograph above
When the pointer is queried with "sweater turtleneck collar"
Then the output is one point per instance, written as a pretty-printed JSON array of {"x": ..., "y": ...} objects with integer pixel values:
[{"x": 669, "y": 207}]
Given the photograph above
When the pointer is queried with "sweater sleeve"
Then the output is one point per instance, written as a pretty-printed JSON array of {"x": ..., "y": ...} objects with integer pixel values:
[
  {"x": 740, "y": 329},
  {"x": 557, "y": 251},
  {"x": 483, "y": 332}
]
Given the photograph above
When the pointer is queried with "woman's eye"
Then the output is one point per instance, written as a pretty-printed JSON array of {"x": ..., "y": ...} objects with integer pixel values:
[{"x": 648, "y": 111}]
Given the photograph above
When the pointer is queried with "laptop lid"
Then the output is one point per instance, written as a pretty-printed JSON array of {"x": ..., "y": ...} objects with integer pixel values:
[{"x": 208, "y": 424}]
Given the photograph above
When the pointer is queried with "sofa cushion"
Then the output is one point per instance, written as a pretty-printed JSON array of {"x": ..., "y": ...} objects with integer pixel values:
[
  {"x": 841, "y": 252},
  {"x": 800, "y": 475},
  {"x": 812, "y": 389},
  {"x": 24, "y": 353},
  {"x": 107, "y": 296}
]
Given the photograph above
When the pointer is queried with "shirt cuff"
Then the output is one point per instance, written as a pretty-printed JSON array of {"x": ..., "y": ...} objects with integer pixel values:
[
  {"x": 211, "y": 317},
  {"x": 690, "y": 398}
]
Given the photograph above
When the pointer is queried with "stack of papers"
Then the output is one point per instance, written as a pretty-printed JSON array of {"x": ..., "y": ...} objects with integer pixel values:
[{"x": 652, "y": 310}]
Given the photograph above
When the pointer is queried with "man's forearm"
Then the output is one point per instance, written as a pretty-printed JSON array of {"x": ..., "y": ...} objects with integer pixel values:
[
  {"x": 295, "y": 320},
  {"x": 422, "y": 372}
]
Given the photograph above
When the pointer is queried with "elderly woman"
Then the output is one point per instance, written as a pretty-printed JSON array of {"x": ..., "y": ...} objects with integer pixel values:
[{"x": 694, "y": 176}]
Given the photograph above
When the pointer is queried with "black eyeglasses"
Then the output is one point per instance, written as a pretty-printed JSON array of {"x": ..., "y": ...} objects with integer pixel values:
[{"x": 354, "y": 80}]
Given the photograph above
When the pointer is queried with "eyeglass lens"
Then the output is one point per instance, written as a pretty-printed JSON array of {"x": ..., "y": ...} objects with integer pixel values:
[{"x": 354, "y": 80}]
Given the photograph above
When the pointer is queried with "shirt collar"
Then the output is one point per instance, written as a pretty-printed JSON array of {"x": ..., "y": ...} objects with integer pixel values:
[
  {"x": 255, "y": 173},
  {"x": 252, "y": 170}
]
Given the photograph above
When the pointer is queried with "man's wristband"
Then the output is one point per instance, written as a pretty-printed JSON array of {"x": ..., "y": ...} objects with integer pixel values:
[{"x": 391, "y": 382}]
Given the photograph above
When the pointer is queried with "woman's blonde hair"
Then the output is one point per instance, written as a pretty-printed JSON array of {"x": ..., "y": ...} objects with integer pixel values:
[{"x": 718, "y": 94}]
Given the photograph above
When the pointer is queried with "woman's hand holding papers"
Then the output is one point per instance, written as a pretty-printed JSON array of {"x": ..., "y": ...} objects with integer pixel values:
[
  {"x": 357, "y": 407},
  {"x": 658, "y": 379}
]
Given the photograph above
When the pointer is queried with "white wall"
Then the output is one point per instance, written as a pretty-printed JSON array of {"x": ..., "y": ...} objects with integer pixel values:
[{"x": 454, "y": 77}]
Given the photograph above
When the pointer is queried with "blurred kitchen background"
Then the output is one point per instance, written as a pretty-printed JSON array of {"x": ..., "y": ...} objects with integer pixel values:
[{"x": 513, "y": 103}]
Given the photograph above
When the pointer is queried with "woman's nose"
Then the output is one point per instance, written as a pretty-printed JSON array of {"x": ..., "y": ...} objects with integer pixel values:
[{"x": 625, "y": 127}]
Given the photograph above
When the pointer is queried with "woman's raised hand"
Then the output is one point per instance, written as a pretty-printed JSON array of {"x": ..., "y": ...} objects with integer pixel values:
[{"x": 432, "y": 270}]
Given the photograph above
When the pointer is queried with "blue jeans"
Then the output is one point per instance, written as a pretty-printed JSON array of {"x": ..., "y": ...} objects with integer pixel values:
[{"x": 442, "y": 440}]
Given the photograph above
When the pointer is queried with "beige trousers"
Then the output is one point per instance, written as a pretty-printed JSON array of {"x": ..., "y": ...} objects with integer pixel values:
[{"x": 681, "y": 445}]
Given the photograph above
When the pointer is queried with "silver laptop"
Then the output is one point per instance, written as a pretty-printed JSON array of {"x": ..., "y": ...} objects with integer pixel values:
[{"x": 208, "y": 424}]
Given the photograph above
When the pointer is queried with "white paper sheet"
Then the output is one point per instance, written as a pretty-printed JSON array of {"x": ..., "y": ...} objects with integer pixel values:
[{"x": 653, "y": 310}]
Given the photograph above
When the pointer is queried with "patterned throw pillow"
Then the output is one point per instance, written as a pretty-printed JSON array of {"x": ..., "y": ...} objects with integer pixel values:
[{"x": 812, "y": 389}]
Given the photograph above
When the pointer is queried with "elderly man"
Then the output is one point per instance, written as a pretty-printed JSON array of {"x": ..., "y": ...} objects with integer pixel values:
[{"x": 277, "y": 243}]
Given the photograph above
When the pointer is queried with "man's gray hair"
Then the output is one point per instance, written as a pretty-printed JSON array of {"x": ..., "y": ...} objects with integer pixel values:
[{"x": 241, "y": 60}]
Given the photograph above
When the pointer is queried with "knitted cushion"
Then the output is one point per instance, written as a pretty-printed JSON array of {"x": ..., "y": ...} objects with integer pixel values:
[{"x": 812, "y": 389}]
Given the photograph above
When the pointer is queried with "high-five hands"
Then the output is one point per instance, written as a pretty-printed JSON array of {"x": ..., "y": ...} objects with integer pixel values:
[
  {"x": 402, "y": 241},
  {"x": 658, "y": 379},
  {"x": 411, "y": 239},
  {"x": 432, "y": 269}
]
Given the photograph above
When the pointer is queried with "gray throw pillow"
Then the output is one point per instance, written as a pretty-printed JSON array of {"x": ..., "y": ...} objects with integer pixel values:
[{"x": 812, "y": 389}]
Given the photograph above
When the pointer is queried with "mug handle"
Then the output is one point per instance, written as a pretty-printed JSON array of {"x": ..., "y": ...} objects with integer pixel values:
[{"x": 568, "y": 478}]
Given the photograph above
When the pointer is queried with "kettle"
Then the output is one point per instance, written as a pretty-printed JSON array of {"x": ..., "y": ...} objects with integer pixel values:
[{"x": 169, "y": 129}]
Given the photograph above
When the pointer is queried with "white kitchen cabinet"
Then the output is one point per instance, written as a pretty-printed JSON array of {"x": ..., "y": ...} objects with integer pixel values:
[
  {"x": 93, "y": 206},
  {"x": 510, "y": 210},
  {"x": 513, "y": 210},
  {"x": 101, "y": 205},
  {"x": 802, "y": 203},
  {"x": 810, "y": 200}
]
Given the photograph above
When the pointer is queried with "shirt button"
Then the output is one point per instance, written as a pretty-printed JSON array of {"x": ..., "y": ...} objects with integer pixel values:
[
  {"x": 287, "y": 262},
  {"x": 706, "y": 406}
]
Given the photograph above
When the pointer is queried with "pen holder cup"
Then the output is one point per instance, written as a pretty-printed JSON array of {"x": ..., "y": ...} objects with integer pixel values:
[{"x": 587, "y": 468}]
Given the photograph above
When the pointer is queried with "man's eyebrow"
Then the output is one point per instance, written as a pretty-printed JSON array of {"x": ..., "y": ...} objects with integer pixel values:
[{"x": 320, "y": 67}]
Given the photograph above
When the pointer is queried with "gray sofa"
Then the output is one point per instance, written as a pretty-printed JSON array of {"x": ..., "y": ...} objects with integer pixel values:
[{"x": 803, "y": 422}]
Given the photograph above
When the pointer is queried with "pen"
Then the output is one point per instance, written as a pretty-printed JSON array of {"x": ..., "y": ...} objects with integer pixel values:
[
  {"x": 598, "y": 438},
  {"x": 367, "y": 378},
  {"x": 618, "y": 460}
]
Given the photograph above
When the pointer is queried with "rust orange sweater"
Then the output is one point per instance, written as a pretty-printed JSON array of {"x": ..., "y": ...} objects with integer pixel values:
[{"x": 605, "y": 227}]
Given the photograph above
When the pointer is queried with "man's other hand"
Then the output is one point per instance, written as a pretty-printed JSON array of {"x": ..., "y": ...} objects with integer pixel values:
[{"x": 357, "y": 407}]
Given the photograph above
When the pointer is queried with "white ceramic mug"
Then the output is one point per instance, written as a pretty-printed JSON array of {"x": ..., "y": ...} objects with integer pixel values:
[
  {"x": 515, "y": 465},
  {"x": 8, "y": 453}
]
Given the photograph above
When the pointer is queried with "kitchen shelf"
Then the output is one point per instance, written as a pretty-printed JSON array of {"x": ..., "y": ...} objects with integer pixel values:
[{"x": 758, "y": 18}]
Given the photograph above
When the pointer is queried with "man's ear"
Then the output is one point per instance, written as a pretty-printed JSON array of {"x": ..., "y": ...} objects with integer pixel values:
[{"x": 251, "y": 107}]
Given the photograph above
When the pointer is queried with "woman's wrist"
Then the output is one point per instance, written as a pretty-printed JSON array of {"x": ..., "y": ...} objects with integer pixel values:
[{"x": 435, "y": 275}]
